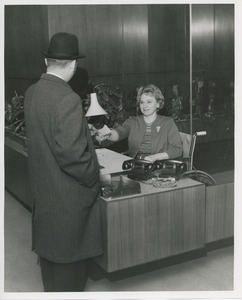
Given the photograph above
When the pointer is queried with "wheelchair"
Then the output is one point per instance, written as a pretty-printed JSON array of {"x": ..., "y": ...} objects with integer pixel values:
[{"x": 189, "y": 142}]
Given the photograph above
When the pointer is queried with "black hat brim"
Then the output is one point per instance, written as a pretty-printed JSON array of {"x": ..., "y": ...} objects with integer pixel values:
[{"x": 64, "y": 56}]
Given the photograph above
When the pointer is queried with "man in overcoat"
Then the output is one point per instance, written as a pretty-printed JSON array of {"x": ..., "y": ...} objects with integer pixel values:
[{"x": 64, "y": 172}]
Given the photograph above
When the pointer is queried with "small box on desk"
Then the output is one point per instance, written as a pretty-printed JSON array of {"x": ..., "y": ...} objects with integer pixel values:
[{"x": 118, "y": 186}]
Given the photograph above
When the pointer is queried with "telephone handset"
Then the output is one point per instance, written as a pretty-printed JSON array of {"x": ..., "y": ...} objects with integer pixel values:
[
  {"x": 140, "y": 169},
  {"x": 169, "y": 163},
  {"x": 137, "y": 163},
  {"x": 170, "y": 167}
]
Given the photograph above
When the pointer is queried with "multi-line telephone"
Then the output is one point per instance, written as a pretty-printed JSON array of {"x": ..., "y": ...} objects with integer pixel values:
[{"x": 143, "y": 169}]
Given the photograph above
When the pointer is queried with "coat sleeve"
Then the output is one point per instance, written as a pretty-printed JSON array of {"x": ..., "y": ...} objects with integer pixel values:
[
  {"x": 73, "y": 153},
  {"x": 174, "y": 141}
]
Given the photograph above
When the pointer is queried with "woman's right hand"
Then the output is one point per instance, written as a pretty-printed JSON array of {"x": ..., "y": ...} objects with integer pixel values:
[
  {"x": 102, "y": 137},
  {"x": 112, "y": 136}
]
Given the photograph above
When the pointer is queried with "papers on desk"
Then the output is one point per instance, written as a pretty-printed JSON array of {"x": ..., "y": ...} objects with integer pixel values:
[{"x": 110, "y": 160}]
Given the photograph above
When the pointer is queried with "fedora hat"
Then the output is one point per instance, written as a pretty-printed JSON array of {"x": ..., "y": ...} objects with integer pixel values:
[{"x": 63, "y": 45}]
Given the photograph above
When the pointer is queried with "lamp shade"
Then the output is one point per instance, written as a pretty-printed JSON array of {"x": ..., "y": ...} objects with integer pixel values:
[{"x": 95, "y": 108}]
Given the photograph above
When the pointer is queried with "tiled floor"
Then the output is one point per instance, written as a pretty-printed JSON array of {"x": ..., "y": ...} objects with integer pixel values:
[{"x": 211, "y": 273}]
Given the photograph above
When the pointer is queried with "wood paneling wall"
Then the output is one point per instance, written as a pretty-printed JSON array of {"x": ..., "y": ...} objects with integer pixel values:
[
  {"x": 203, "y": 34},
  {"x": 162, "y": 52},
  {"x": 213, "y": 39},
  {"x": 25, "y": 34},
  {"x": 128, "y": 45},
  {"x": 224, "y": 37},
  {"x": 99, "y": 30},
  {"x": 135, "y": 39}
]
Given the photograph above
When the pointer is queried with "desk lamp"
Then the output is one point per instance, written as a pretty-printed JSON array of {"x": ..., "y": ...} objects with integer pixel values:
[
  {"x": 96, "y": 113},
  {"x": 95, "y": 108}
]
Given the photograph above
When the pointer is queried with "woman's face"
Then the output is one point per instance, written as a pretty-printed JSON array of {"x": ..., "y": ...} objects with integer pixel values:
[{"x": 148, "y": 104}]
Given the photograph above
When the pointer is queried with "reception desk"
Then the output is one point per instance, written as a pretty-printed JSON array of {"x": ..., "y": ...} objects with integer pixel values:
[
  {"x": 147, "y": 226},
  {"x": 153, "y": 224}
]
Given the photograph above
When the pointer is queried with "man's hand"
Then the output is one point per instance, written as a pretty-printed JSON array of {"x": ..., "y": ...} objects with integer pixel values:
[{"x": 92, "y": 129}]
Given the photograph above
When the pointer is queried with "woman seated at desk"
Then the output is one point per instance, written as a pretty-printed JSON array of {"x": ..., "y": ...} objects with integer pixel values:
[{"x": 150, "y": 136}]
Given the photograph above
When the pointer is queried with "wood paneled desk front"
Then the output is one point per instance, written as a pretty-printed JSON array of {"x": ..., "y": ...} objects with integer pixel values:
[{"x": 154, "y": 224}]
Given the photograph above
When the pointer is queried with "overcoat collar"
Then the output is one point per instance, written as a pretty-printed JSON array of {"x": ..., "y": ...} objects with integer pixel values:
[{"x": 54, "y": 78}]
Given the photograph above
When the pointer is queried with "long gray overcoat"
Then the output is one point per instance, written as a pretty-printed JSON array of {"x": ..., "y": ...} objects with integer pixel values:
[{"x": 64, "y": 173}]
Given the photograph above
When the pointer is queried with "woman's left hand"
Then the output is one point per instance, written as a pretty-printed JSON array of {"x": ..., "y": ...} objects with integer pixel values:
[
  {"x": 158, "y": 156},
  {"x": 150, "y": 158}
]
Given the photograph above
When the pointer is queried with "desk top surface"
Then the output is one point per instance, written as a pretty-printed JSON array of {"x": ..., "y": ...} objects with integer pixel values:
[
  {"x": 149, "y": 189},
  {"x": 110, "y": 161}
]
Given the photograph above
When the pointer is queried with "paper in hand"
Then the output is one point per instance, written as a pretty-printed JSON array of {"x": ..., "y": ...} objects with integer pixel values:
[{"x": 104, "y": 131}]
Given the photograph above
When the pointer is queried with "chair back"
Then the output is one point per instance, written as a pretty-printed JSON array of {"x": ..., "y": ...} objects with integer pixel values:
[{"x": 186, "y": 144}]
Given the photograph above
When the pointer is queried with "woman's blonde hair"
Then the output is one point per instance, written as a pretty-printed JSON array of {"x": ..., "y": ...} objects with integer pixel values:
[{"x": 154, "y": 91}]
